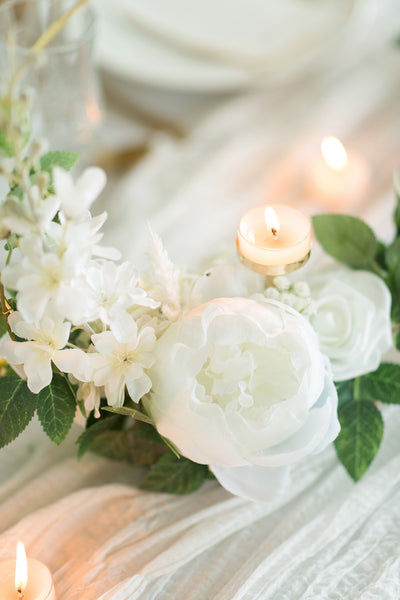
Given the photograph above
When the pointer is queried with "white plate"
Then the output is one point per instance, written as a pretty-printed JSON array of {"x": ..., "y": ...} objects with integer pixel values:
[
  {"x": 240, "y": 31},
  {"x": 180, "y": 52}
]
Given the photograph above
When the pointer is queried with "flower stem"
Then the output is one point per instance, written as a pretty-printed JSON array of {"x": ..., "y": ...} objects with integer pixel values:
[
  {"x": 47, "y": 36},
  {"x": 6, "y": 310}
]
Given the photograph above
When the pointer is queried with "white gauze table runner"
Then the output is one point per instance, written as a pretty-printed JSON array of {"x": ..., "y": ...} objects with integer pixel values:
[{"x": 326, "y": 537}]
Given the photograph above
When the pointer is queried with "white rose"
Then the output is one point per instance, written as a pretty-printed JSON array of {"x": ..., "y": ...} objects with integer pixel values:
[
  {"x": 242, "y": 386},
  {"x": 352, "y": 320}
]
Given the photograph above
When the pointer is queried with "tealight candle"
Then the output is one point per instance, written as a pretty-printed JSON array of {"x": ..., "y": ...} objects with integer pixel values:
[
  {"x": 337, "y": 179},
  {"x": 274, "y": 240},
  {"x": 25, "y": 578}
]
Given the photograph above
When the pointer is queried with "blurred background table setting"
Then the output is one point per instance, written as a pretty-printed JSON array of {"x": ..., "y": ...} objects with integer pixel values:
[{"x": 199, "y": 111}]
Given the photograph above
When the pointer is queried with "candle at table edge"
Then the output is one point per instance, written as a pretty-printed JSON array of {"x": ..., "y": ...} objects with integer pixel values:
[
  {"x": 337, "y": 178},
  {"x": 40, "y": 585},
  {"x": 263, "y": 253}
]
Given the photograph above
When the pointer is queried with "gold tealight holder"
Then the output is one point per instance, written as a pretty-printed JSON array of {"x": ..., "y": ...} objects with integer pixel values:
[{"x": 274, "y": 240}]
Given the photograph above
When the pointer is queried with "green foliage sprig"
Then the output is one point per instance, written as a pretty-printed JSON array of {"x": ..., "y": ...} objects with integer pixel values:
[{"x": 352, "y": 242}]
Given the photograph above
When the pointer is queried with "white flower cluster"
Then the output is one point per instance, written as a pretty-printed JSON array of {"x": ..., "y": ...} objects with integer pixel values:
[
  {"x": 78, "y": 310},
  {"x": 241, "y": 377},
  {"x": 297, "y": 295}
]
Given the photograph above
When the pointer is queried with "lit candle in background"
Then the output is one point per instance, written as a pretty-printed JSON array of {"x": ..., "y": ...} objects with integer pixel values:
[
  {"x": 274, "y": 240},
  {"x": 337, "y": 179},
  {"x": 25, "y": 578}
]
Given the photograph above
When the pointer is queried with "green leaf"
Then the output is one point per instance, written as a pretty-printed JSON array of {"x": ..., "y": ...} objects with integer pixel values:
[
  {"x": 174, "y": 475},
  {"x": 109, "y": 438},
  {"x": 396, "y": 214},
  {"x": 384, "y": 383},
  {"x": 63, "y": 159},
  {"x": 129, "y": 412},
  {"x": 5, "y": 146},
  {"x": 360, "y": 436},
  {"x": 112, "y": 444},
  {"x": 394, "y": 285},
  {"x": 380, "y": 254},
  {"x": 88, "y": 437},
  {"x": 147, "y": 432},
  {"x": 56, "y": 407},
  {"x": 345, "y": 391},
  {"x": 348, "y": 239},
  {"x": 397, "y": 340},
  {"x": 392, "y": 254},
  {"x": 17, "y": 407}
]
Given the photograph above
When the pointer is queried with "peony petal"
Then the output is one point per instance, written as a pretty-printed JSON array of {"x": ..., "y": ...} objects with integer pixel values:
[{"x": 259, "y": 484}]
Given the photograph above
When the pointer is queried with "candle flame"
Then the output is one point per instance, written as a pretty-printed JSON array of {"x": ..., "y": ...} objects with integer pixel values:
[
  {"x": 21, "y": 569},
  {"x": 271, "y": 220},
  {"x": 334, "y": 153}
]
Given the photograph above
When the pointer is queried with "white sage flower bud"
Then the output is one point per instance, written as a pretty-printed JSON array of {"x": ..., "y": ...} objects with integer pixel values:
[
  {"x": 302, "y": 289},
  {"x": 272, "y": 293},
  {"x": 282, "y": 283},
  {"x": 289, "y": 299}
]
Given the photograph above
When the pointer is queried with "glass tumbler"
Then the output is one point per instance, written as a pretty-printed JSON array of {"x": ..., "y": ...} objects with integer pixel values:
[{"x": 67, "y": 102}]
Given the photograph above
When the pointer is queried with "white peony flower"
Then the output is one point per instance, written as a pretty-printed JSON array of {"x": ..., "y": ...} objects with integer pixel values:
[
  {"x": 120, "y": 361},
  {"x": 352, "y": 320},
  {"x": 45, "y": 345},
  {"x": 242, "y": 386},
  {"x": 75, "y": 199}
]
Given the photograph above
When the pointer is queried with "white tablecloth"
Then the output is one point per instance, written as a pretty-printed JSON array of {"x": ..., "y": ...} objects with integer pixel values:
[{"x": 326, "y": 537}]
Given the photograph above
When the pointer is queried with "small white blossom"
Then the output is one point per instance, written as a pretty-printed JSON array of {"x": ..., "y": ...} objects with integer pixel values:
[
  {"x": 111, "y": 290},
  {"x": 45, "y": 345},
  {"x": 76, "y": 198},
  {"x": 272, "y": 293},
  {"x": 42, "y": 279},
  {"x": 16, "y": 214},
  {"x": 120, "y": 361},
  {"x": 90, "y": 395}
]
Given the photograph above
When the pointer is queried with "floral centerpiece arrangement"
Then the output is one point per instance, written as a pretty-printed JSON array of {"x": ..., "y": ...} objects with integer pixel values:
[{"x": 194, "y": 376}]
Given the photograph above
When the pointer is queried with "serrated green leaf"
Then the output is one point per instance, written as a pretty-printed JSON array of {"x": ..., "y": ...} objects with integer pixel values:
[
  {"x": 112, "y": 444},
  {"x": 345, "y": 391},
  {"x": 17, "y": 407},
  {"x": 129, "y": 412},
  {"x": 360, "y": 436},
  {"x": 174, "y": 475},
  {"x": 384, "y": 383},
  {"x": 380, "y": 254},
  {"x": 100, "y": 426},
  {"x": 147, "y": 432},
  {"x": 392, "y": 254},
  {"x": 56, "y": 407},
  {"x": 63, "y": 159},
  {"x": 348, "y": 239}
]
